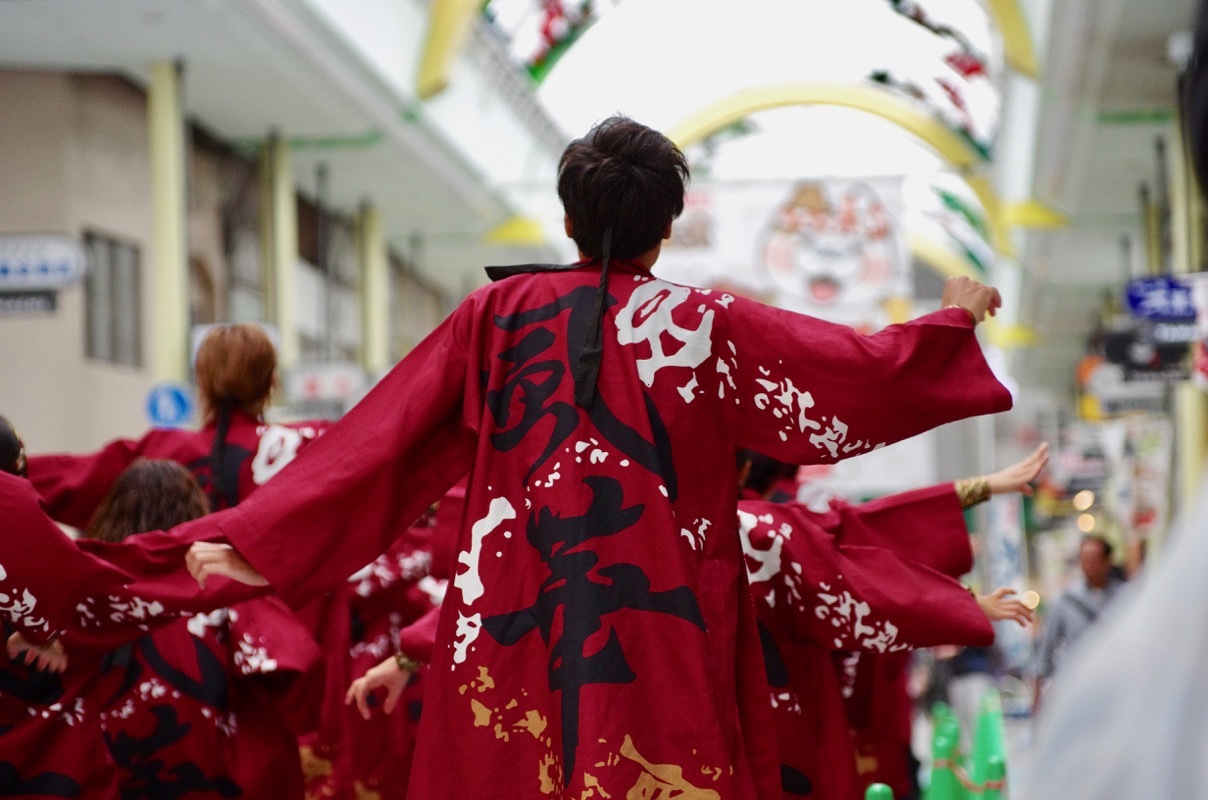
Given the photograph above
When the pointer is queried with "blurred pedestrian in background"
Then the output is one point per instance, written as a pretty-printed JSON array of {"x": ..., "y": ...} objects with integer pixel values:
[{"x": 1078, "y": 608}]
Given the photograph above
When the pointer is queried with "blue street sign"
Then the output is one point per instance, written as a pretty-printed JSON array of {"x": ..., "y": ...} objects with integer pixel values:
[
  {"x": 169, "y": 405},
  {"x": 1162, "y": 297}
]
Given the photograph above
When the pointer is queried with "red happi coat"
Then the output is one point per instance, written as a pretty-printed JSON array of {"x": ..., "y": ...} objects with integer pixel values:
[
  {"x": 598, "y": 636},
  {"x": 253, "y": 451},
  {"x": 36, "y": 561},
  {"x": 73, "y": 486},
  {"x": 851, "y": 585},
  {"x": 879, "y": 712},
  {"x": 192, "y": 708},
  {"x": 928, "y": 527},
  {"x": 352, "y": 757},
  {"x": 138, "y": 674}
]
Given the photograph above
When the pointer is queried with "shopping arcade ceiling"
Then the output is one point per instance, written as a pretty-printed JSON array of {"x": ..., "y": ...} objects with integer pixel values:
[{"x": 1104, "y": 89}]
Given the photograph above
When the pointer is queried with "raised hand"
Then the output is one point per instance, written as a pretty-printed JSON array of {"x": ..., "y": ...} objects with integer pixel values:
[
  {"x": 1019, "y": 476},
  {"x": 978, "y": 299}
]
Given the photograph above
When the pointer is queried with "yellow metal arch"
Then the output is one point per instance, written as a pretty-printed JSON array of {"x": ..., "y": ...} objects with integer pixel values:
[
  {"x": 902, "y": 112},
  {"x": 1016, "y": 37},
  {"x": 950, "y": 146}
]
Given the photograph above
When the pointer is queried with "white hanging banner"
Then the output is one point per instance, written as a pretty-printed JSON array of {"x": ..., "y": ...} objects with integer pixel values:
[{"x": 832, "y": 248}]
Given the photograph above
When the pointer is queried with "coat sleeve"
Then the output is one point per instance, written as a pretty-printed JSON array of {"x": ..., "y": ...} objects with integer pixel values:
[
  {"x": 851, "y": 597},
  {"x": 926, "y": 526},
  {"x": 73, "y": 486},
  {"x": 274, "y": 654},
  {"x": 418, "y": 639},
  {"x": 43, "y": 575},
  {"x": 810, "y": 391},
  {"x": 356, "y": 489}
]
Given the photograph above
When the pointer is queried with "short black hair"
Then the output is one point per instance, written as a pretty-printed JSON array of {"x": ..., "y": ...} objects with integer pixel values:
[
  {"x": 624, "y": 175},
  {"x": 12, "y": 449},
  {"x": 765, "y": 471}
]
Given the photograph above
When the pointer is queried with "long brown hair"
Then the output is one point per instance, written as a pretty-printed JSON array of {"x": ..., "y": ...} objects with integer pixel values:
[
  {"x": 151, "y": 495},
  {"x": 236, "y": 364}
]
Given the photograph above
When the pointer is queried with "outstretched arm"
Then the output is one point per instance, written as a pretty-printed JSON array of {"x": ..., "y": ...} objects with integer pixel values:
[
  {"x": 1016, "y": 478},
  {"x": 1019, "y": 476}
]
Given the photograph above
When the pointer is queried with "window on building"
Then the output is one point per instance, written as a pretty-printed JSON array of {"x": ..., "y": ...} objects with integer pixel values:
[{"x": 113, "y": 299}]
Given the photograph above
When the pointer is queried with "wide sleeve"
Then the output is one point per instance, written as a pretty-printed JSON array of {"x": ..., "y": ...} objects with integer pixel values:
[
  {"x": 275, "y": 654},
  {"x": 810, "y": 391},
  {"x": 850, "y": 597},
  {"x": 926, "y": 526},
  {"x": 43, "y": 575},
  {"x": 359, "y": 486},
  {"x": 418, "y": 639},
  {"x": 73, "y": 486}
]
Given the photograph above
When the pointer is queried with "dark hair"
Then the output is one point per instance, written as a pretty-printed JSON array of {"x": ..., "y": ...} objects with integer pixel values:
[
  {"x": 236, "y": 364},
  {"x": 1103, "y": 543},
  {"x": 12, "y": 449},
  {"x": 765, "y": 471},
  {"x": 151, "y": 495},
  {"x": 625, "y": 176}
]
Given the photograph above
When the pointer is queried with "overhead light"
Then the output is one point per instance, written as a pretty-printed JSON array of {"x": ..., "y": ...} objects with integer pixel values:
[
  {"x": 1086, "y": 523},
  {"x": 1084, "y": 500},
  {"x": 1030, "y": 599}
]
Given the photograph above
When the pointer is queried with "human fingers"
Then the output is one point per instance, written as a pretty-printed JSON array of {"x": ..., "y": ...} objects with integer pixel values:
[
  {"x": 1022, "y": 614},
  {"x": 394, "y": 691},
  {"x": 995, "y": 301},
  {"x": 209, "y": 558},
  {"x": 199, "y": 561},
  {"x": 362, "y": 697},
  {"x": 15, "y": 646}
]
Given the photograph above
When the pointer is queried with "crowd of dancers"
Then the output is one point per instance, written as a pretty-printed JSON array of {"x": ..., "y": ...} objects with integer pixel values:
[{"x": 544, "y": 557}]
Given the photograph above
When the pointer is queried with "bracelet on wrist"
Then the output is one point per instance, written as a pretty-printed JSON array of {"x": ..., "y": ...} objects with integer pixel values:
[
  {"x": 405, "y": 662},
  {"x": 972, "y": 316},
  {"x": 971, "y": 491}
]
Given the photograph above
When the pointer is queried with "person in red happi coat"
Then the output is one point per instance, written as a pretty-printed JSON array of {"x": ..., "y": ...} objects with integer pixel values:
[
  {"x": 597, "y": 410},
  {"x": 840, "y": 594},
  {"x": 157, "y": 703}
]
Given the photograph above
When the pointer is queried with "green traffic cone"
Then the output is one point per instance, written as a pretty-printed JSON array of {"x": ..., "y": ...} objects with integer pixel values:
[
  {"x": 945, "y": 785},
  {"x": 996, "y": 779},
  {"x": 989, "y": 739},
  {"x": 878, "y": 791}
]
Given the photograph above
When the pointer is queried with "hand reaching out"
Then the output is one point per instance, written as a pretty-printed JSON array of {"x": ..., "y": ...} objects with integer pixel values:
[
  {"x": 1019, "y": 476},
  {"x": 388, "y": 674},
  {"x": 1000, "y": 605},
  {"x": 205, "y": 559},
  {"x": 978, "y": 299},
  {"x": 48, "y": 657}
]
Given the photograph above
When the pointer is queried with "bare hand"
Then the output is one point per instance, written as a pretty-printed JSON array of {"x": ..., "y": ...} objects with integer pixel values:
[
  {"x": 1019, "y": 476},
  {"x": 998, "y": 607},
  {"x": 48, "y": 657},
  {"x": 388, "y": 674},
  {"x": 206, "y": 559},
  {"x": 967, "y": 293}
]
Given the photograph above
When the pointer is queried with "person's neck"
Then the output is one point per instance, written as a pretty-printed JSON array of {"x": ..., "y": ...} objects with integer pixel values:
[
  {"x": 645, "y": 260},
  {"x": 1100, "y": 584}
]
